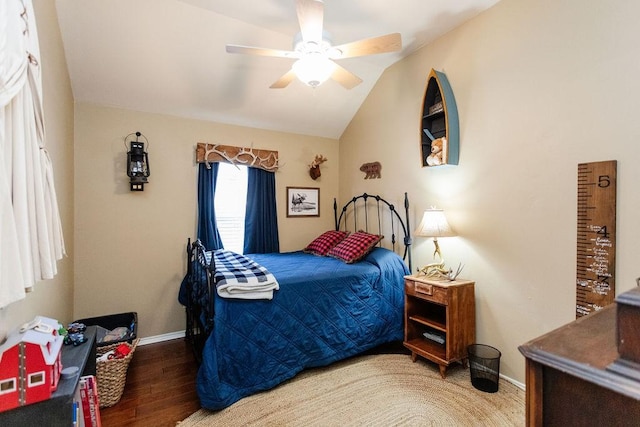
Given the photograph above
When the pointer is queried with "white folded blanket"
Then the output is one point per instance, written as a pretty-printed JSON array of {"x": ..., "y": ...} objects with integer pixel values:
[{"x": 237, "y": 276}]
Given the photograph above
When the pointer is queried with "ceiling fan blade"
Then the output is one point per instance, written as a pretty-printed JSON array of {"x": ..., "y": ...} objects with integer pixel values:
[
  {"x": 248, "y": 50},
  {"x": 284, "y": 81},
  {"x": 345, "y": 77},
  {"x": 310, "y": 17},
  {"x": 382, "y": 44}
]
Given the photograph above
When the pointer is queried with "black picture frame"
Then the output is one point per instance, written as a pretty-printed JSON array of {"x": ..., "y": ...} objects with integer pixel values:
[{"x": 303, "y": 201}]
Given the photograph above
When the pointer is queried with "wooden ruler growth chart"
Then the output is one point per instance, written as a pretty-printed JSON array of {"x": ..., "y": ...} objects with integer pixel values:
[{"x": 596, "y": 240}]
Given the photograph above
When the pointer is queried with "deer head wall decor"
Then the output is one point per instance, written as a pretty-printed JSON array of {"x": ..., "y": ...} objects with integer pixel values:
[{"x": 314, "y": 167}]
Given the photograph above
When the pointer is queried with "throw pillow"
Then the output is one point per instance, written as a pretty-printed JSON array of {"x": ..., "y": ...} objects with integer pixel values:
[
  {"x": 322, "y": 244},
  {"x": 355, "y": 246}
]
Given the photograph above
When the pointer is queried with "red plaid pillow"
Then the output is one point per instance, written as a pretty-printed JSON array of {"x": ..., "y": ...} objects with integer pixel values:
[
  {"x": 325, "y": 242},
  {"x": 355, "y": 246}
]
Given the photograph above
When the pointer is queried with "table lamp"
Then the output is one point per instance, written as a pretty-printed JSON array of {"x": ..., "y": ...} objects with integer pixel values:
[{"x": 434, "y": 224}]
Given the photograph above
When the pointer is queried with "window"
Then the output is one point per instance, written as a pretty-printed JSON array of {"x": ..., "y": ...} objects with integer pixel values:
[
  {"x": 8, "y": 386},
  {"x": 35, "y": 379},
  {"x": 256, "y": 199},
  {"x": 230, "y": 205}
]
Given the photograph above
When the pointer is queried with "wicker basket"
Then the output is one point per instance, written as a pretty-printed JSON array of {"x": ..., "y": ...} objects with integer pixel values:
[{"x": 112, "y": 374}]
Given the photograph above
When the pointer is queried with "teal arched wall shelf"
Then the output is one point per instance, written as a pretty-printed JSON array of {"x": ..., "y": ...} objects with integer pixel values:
[{"x": 440, "y": 129}]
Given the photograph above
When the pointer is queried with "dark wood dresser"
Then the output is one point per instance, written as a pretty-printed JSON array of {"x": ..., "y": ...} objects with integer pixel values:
[{"x": 575, "y": 375}]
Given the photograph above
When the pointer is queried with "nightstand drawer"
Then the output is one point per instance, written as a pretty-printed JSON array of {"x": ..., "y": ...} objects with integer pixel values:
[{"x": 427, "y": 291}]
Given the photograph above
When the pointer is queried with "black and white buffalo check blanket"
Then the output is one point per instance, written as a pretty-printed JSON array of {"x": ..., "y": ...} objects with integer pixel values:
[{"x": 237, "y": 276}]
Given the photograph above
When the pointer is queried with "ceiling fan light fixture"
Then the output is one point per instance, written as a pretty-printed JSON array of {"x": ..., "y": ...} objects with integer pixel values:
[
  {"x": 313, "y": 70},
  {"x": 314, "y": 49}
]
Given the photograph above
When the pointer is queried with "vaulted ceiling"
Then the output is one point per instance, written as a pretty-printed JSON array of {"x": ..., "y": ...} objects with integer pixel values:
[{"x": 168, "y": 56}]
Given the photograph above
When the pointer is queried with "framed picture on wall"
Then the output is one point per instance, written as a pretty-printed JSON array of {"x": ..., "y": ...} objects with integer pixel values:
[{"x": 303, "y": 201}]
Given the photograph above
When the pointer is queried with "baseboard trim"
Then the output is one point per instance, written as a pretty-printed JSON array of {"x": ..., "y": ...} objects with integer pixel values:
[
  {"x": 514, "y": 382},
  {"x": 160, "y": 338}
]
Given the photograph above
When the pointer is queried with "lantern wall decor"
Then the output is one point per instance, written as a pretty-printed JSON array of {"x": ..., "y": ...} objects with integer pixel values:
[{"x": 137, "y": 163}]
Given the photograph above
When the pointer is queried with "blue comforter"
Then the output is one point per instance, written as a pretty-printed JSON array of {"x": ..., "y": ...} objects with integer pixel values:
[{"x": 325, "y": 311}]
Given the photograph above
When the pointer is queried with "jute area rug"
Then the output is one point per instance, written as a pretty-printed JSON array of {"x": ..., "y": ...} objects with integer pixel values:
[{"x": 379, "y": 390}]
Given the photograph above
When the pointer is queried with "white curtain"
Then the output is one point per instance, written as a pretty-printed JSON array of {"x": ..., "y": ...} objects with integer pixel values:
[{"x": 30, "y": 230}]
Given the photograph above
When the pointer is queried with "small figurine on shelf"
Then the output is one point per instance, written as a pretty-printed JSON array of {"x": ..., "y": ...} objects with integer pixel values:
[
  {"x": 76, "y": 339},
  {"x": 75, "y": 334},
  {"x": 76, "y": 328},
  {"x": 437, "y": 156}
]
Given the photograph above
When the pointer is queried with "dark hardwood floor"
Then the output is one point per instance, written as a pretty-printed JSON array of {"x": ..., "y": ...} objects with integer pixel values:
[{"x": 160, "y": 388}]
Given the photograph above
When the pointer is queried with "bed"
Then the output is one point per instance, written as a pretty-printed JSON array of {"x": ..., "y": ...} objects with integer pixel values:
[{"x": 323, "y": 310}]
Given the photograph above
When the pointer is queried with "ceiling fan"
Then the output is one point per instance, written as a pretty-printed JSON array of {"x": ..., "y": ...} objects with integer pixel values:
[{"x": 315, "y": 54}]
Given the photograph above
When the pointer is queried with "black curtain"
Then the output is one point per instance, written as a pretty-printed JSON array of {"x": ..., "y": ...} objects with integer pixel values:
[
  {"x": 261, "y": 221},
  {"x": 207, "y": 226}
]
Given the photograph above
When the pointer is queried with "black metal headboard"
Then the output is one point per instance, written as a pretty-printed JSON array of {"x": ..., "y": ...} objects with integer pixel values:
[{"x": 359, "y": 209}]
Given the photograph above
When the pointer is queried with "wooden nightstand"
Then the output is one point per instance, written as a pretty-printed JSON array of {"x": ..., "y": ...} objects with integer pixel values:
[{"x": 446, "y": 312}]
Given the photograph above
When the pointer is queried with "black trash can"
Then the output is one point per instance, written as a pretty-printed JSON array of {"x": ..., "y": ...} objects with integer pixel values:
[{"x": 484, "y": 364}]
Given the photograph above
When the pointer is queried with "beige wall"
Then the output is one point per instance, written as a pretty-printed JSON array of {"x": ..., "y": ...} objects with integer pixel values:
[
  {"x": 130, "y": 245},
  {"x": 540, "y": 86},
  {"x": 52, "y": 298}
]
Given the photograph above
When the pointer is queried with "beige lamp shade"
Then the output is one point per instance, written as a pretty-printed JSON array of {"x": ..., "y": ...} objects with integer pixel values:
[{"x": 434, "y": 224}]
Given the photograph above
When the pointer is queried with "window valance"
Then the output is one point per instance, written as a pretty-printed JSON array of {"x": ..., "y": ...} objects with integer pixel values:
[{"x": 252, "y": 157}]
